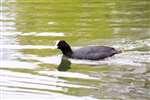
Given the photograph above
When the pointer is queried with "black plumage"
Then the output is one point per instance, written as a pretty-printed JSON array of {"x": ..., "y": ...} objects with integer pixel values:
[{"x": 89, "y": 52}]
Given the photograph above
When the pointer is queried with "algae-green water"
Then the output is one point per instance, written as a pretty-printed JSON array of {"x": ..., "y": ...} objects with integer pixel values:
[{"x": 32, "y": 68}]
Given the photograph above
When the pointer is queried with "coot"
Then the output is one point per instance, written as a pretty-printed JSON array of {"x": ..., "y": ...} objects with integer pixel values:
[{"x": 89, "y": 52}]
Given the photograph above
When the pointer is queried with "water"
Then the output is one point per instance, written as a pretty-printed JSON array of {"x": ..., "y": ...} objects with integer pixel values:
[{"x": 31, "y": 68}]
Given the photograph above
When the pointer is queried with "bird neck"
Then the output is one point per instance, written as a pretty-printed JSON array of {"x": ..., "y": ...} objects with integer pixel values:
[{"x": 67, "y": 51}]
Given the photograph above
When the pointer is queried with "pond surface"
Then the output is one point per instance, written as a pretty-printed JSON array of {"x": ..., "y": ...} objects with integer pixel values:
[{"x": 31, "y": 68}]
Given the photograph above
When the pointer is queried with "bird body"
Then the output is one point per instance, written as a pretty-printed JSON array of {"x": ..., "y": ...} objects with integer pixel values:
[{"x": 94, "y": 52}]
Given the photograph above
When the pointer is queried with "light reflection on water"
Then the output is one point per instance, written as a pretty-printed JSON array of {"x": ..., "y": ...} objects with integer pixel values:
[
  {"x": 30, "y": 63},
  {"x": 39, "y": 96}
]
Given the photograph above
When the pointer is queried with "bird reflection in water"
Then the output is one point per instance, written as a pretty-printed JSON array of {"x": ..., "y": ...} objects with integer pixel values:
[{"x": 64, "y": 65}]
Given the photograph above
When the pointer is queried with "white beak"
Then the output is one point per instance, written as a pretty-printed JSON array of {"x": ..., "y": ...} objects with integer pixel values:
[{"x": 56, "y": 43}]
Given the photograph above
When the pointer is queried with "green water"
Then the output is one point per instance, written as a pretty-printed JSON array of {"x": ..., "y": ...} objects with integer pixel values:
[{"x": 31, "y": 67}]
